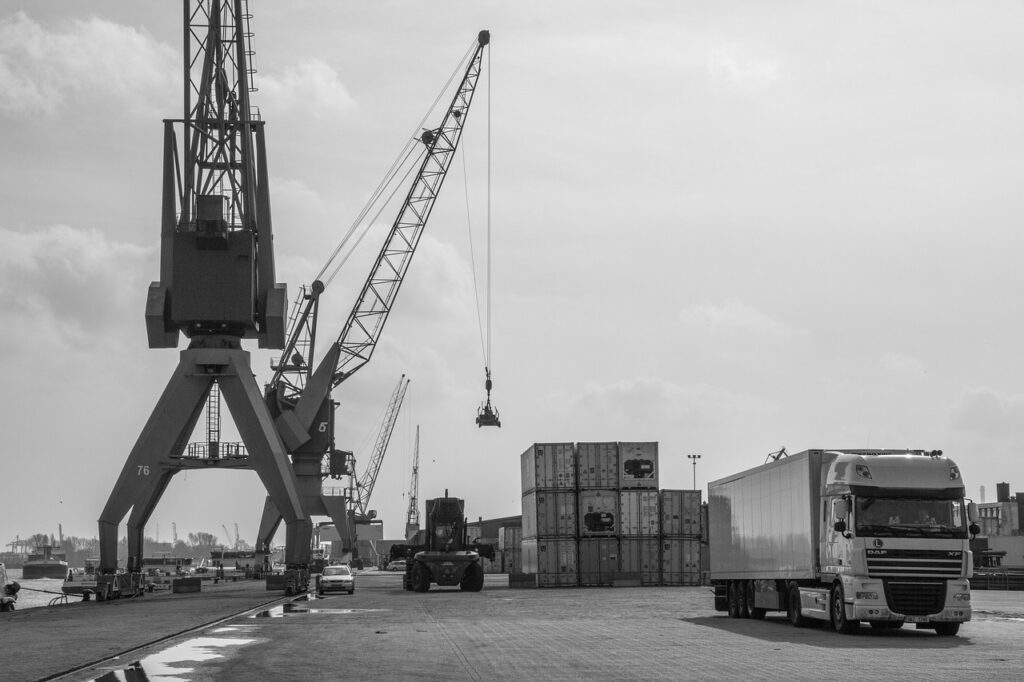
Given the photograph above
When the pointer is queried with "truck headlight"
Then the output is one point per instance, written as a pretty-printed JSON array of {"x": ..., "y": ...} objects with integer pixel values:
[
  {"x": 866, "y": 595},
  {"x": 961, "y": 596}
]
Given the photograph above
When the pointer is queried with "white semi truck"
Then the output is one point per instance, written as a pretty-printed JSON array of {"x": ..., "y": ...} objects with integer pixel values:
[{"x": 845, "y": 536}]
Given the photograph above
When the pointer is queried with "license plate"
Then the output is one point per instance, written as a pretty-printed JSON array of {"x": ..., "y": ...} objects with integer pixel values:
[{"x": 916, "y": 619}]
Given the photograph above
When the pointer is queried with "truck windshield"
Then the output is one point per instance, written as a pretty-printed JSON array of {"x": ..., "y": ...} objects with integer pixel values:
[{"x": 909, "y": 517}]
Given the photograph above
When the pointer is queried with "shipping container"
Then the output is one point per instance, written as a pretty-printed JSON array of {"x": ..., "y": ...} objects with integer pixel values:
[
  {"x": 549, "y": 466},
  {"x": 681, "y": 513},
  {"x": 638, "y": 465},
  {"x": 643, "y": 556},
  {"x": 549, "y": 514},
  {"x": 639, "y": 513},
  {"x": 598, "y": 561},
  {"x": 552, "y": 560},
  {"x": 510, "y": 537},
  {"x": 597, "y": 465},
  {"x": 512, "y": 561},
  {"x": 598, "y": 513},
  {"x": 680, "y": 561}
]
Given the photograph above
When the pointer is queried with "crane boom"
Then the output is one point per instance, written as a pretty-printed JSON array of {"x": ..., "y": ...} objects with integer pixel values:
[
  {"x": 359, "y": 336},
  {"x": 369, "y": 477},
  {"x": 412, "y": 516},
  {"x": 300, "y": 405}
]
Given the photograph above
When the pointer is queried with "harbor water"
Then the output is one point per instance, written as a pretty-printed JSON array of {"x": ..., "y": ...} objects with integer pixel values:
[{"x": 36, "y": 593}]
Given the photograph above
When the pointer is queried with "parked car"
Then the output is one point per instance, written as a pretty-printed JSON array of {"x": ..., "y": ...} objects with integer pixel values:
[
  {"x": 336, "y": 579},
  {"x": 397, "y": 565}
]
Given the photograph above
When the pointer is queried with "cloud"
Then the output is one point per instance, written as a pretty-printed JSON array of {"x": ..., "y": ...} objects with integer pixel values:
[
  {"x": 901, "y": 363},
  {"x": 732, "y": 66},
  {"x": 649, "y": 405},
  {"x": 990, "y": 415},
  {"x": 735, "y": 317},
  {"x": 66, "y": 287},
  {"x": 43, "y": 70},
  {"x": 311, "y": 86}
]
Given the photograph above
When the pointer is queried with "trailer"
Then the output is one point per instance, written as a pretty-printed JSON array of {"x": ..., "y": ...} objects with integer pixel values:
[{"x": 845, "y": 536}]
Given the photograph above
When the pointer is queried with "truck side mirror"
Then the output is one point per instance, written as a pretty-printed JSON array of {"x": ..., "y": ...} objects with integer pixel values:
[
  {"x": 972, "y": 512},
  {"x": 974, "y": 529},
  {"x": 839, "y": 526}
]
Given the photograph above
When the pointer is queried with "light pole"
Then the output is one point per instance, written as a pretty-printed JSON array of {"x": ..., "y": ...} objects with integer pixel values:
[{"x": 694, "y": 459}]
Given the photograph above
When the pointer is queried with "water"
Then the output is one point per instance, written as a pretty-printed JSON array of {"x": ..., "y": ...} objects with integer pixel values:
[{"x": 36, "y": 593}]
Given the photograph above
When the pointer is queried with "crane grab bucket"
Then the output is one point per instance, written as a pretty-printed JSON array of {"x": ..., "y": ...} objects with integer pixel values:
[{"x": 488, "y": 415}]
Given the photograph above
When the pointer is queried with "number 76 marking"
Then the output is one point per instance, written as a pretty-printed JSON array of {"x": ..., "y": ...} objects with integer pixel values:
[{"x": 143, "y": 470}]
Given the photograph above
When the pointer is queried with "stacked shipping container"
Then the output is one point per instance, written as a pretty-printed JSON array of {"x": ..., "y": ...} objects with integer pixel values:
[
  {"x": 593, "y": 515},
  {"x": 549, "y": 548}
]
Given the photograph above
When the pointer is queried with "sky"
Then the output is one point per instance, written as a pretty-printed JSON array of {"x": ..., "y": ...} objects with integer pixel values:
[{"x": 726, "y": 227}]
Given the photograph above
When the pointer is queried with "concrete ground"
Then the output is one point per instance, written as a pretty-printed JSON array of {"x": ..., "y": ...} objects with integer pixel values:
[{"x": 573, "y": 634}]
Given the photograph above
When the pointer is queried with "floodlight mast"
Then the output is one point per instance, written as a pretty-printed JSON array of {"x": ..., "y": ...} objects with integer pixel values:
[{"x": 217, "y": 283}]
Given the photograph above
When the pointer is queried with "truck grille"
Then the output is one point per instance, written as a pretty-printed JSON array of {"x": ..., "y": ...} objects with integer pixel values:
[
  {"x": 884, "y": 563},
  {"x": 915, "y": 598}
]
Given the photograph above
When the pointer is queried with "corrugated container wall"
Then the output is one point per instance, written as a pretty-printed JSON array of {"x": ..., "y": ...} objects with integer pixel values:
[
  {"x": 680, "y": 561},
  {"x": 681, "y": 513},
  {"x": 643, "y": 556},
  {"x": 549, "y": 466},
  {"x": 550, "y": 513},
  {"x": 599, "y": 513},
  {"x": 597, "y": 465},
  {"x": 510, "y": 537},
  {"x": 598, "y": 561},
  {"x": 512, "y": 561},
  {"x": 639, "y": 513},
  {"x": 553, "y": 561},
  {"x": 638, "y": 465}
]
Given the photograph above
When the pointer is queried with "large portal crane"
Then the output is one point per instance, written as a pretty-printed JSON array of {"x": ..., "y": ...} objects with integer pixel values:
[
  {"x": 299, "y": 397},
  {"x": 217, "y": 283}
]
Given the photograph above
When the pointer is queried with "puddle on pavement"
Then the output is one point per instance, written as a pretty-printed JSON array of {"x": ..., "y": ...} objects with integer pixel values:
[
  {"x": 171, "y": 665},
  {"x": 293, "y": 608}
]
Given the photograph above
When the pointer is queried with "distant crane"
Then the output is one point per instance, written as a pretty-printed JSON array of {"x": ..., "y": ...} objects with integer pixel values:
[
  {"x": 412, "y": 516},
  {"x": 227, "y": 535},
  {"x": 364, "y": 488}
]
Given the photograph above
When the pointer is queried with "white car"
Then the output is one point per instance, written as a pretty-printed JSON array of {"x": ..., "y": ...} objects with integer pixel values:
[
  {"x": 397, "y": 565},
  {"x": 336, "y": 579}
]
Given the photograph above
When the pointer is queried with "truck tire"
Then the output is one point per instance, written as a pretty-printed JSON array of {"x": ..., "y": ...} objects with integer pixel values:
[
  {"x": 796, "y": 619},
  {"x": 947, "y": 629},
  {"x": 839, "y": 620},
  {"x": 420, "y": 578},
  {"x": 741, "y": 599},
  {"x": 473, "y": 578},
  {"x": 734, "y": 600},
  {"x": 755, "y": 612}
]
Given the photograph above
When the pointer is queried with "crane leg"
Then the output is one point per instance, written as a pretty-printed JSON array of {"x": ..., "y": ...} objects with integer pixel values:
[
  {"x": 162, "y": 439},
  {"x": 140, "y": 516},
  {"x": 267, "y": 455}
]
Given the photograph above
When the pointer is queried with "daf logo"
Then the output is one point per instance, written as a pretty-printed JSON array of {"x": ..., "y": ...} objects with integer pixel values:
[{"x": 878, "y": 543}]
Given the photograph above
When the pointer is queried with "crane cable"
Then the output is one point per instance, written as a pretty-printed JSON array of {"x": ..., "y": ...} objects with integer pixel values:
[{"x": 389, "y": 179}]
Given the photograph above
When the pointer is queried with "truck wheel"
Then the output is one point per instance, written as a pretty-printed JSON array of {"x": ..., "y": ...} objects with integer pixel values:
[
  {"x": 734, "y": 601},
  {"x": 754, "y": 611},
  {"x": 839, "y": 620},
  {"x": 947, "y": 629},
  {"x": 420, "y": 578},
  {"x": 796, "y": 619},
  {"x": 473, "y": 578},
  {"x": 741, "y": 599}
]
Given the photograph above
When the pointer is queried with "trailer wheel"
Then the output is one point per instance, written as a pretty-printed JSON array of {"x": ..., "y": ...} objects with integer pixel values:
[
  {"x": 420, "y": 578},
  {"x": 755, "y": 612},
  {"x": 473, "y": 578},
  {"x": 741, "y": 599},
  {"x": 796, "y": 619},
  {"x": 839, "y": 619},
  {"x": 947, "y": 629},
  {"x": 734, "y": 601}
]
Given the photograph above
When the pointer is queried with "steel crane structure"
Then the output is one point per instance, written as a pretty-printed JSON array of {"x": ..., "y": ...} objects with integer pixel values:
[
  {"x": 364, "y": 486},
  {"x": 217, "y": 284},
  {"x": 412, "y": 515},
  {"x": 299, "y": 397}
]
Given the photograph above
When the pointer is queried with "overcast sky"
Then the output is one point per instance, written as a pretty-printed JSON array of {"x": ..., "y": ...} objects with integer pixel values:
[{"x": 727, "y": 227}]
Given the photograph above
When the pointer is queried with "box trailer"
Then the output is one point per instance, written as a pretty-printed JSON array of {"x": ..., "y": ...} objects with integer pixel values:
[{"x": 845, "y": 536}]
